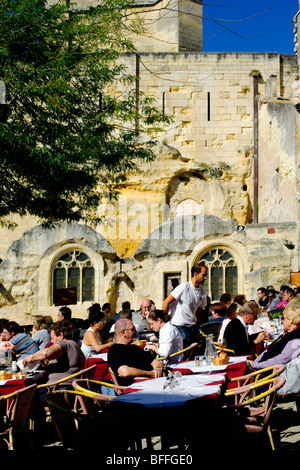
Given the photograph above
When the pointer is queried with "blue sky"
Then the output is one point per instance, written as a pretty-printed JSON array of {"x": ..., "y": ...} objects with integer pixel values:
[{"x": 265, "y": 25}]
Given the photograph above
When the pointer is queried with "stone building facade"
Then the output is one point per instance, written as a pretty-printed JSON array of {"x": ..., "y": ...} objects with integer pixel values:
[{"x": 224, "y": 187}]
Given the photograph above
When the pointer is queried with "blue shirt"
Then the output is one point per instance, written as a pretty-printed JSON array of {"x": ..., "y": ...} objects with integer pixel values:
[{"x": 24, "y": 344}]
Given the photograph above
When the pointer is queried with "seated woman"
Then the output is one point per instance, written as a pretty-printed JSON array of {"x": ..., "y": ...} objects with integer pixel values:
[
  {"x": 231, "y": 313},
  {"x": 40, "y": 332},
  {"x": 170, "y": 340},
  {"x": 287, "y": 347},
  {"x": 92, "y": 341},
  {"x": 64, "y": 357}
]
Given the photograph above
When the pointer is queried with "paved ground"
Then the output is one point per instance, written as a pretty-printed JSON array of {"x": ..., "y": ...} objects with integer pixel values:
[{"x": 286, "y": 426}]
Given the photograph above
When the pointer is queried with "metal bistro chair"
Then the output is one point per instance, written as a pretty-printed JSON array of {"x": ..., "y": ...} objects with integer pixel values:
[
  {"x": 89, "y": 399},
  {"x": 254, "y": 412},
  {"x": 79, "y": 429},
  {"x": 15, "y": 424},
  {"x": 189, "y": 349},
  {"x": 256, "y": 376},
  {"x": 87, "y": 373}
]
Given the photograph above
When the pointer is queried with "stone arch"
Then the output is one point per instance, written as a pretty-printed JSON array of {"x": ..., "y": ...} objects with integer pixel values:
[
  {"x": 26, "y": 270},
  {"x": 206, "y": 188},
  {"x": 222, "y": 256}
]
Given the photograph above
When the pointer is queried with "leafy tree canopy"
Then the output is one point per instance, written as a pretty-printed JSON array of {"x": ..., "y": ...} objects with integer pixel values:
[{"x": 67, "y": 139}]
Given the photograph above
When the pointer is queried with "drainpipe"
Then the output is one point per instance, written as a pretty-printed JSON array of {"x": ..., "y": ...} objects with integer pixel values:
[{"x": 255, "y": 76}]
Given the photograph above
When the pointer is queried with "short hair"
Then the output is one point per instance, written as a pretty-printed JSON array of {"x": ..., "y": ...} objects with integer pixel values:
[
  {"x": 106, "y": 305},
  {"x": 220, "y": 308},
  {"x": 66, "y": 312},
  {"x": 292, "y": 312},
  {"x": 13, "y": 327},
  {"x": 283, "y": 287},
  {"x": 290, "y": 291},
  {"x": 64, "y": 327},
  {"x": 225, "y": 298},
  {"x": 262, "y": 289},
  {"x": 196, "y": 269},
  {"x": 126, "y": 305},
  {"x": 233, "y": 308},
  {"x": 126, "y": 313},
  {"x": 3, "y": 323},
  {"x": 249, "y": 307}
]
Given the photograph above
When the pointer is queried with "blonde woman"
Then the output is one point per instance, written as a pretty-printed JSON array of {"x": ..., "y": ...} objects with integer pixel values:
[
  {"x": 287, "y": 347},
  {"x": 40, "y": 332}
]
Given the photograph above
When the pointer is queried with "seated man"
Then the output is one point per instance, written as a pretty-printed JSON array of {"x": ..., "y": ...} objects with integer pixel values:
[
  {"x": 219, "y": 311},
  {"x": 128, "y": 360},
  {"x": 236, "y": 332},
  {"x": 139, "y": 317},
  {"x": 21, "y": 343}
]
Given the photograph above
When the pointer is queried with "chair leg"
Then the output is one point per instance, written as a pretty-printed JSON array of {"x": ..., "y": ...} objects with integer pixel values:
[{"x": 270, "y": 434}]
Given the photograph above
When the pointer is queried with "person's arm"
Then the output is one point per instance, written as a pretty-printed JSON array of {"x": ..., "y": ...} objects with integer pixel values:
[
  {"x": 167, "y": 302},
  {"x": 258, "y": 338},
  {"x": 126, "y": 371},
  {"x": 44, "y": 355},
  {"x": 291, "y": 350},
  {"x": 90, "y": 340}
]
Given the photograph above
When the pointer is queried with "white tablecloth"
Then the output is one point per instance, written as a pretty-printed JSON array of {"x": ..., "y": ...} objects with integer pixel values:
[
  {"x": 152, "y": 394},
  {"x": 100, "y": 356},
  {"x": 211, "y": 368}
]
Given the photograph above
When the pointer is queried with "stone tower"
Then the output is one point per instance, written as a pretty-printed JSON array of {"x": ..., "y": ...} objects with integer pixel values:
[{"x": 170, "y": 25}]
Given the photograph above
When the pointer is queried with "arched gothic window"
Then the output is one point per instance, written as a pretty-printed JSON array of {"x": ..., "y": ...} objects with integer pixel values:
[
  {"x": 222, "y": 273},
  {"x": 75, "y": 270}
]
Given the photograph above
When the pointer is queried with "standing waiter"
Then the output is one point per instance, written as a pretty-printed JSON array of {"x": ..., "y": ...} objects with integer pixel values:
[{"x": 187, "y": 301}]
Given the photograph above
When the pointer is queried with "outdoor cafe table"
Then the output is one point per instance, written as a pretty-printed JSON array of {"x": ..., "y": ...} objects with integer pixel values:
[
  {"x": 177, "y": 415},
  {"x": 236, "y": 367},
  {"x": 151, "y": 392},
  {"x": 8, "y": 386}
]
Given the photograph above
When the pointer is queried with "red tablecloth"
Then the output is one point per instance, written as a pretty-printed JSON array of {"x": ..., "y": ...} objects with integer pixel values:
[{"x": 12, "y": 385}]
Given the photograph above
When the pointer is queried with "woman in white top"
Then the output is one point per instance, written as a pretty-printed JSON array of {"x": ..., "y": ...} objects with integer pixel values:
[
  {"x": 92, "y": 341},
  {"x": 232, "y": 313},
  {"x": 170, "y": 340}
]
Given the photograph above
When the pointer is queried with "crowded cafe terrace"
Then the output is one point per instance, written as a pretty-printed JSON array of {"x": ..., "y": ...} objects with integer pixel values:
[{"x": 176, "y": 405}]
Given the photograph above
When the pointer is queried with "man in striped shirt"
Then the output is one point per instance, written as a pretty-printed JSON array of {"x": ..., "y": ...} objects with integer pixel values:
[{"x": 16, "y": 340}]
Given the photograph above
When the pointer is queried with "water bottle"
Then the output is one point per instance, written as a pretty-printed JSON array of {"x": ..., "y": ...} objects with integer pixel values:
[
  {"x": 14, "y": 365},
  {"x": 8, "y": 359}
]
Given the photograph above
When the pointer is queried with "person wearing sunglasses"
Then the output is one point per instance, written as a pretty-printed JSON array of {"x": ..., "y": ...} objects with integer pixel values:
[
  {"x": 128, "y": 360},
  {"x": 92, "y": 342}
]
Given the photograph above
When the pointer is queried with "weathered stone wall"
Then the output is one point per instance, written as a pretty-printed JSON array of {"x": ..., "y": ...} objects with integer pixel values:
[{"x": 204, "y": 165}]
